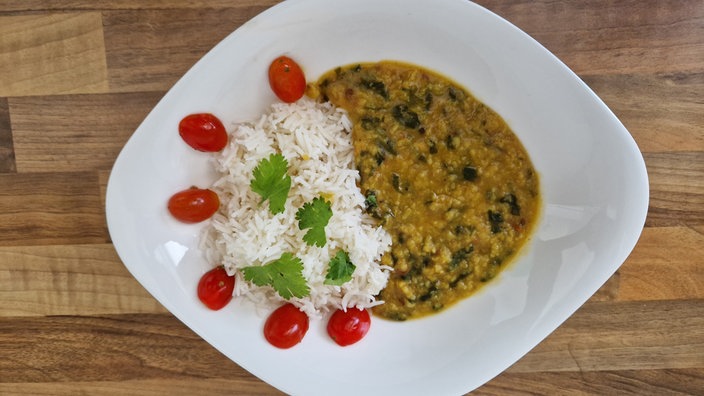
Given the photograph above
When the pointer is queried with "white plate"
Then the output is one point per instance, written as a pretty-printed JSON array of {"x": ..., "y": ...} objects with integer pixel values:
[{"x": 594, "y": 184}]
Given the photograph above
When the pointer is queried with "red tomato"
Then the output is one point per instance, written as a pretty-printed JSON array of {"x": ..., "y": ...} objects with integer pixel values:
[
  {"x": 203, "y": 132},
  {"x": 286, "y": 326},
  {"x": 287, "y": 79},
  {"x": 194, "y": 205},
  {"x": 348, "y": 327},
  {"x": 215, "y": 288}
]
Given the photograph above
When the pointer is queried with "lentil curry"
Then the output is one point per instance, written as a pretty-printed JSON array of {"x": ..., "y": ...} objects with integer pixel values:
[{"x": 443, "y": 173}]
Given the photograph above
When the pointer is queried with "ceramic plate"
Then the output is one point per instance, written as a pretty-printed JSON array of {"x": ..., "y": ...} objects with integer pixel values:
[{"x": 594, "y": 183}]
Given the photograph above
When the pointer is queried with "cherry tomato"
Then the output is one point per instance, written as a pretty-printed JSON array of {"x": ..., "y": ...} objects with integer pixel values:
[
  {"x": 194, "y": 205},
  {"x": 287, "y": 79},
  {"x": 215, "y": 288},
  {"x": 348, "y": 327},
  {"x": 286, "y": 326},
  {"x": 203, "y": 132}
]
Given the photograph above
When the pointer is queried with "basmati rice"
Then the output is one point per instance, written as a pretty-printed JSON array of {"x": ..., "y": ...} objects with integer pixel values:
[{"x": 315, "y": 139}]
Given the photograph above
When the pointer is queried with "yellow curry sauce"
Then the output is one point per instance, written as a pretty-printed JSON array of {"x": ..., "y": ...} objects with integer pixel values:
[{"x": 443, "y": 173}]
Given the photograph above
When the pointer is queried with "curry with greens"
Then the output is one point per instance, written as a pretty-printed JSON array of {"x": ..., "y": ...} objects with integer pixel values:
[{"x": 443, "y": 173}]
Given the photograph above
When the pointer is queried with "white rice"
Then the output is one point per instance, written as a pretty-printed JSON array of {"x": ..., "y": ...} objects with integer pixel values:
[{"x": 315, "y": 139}]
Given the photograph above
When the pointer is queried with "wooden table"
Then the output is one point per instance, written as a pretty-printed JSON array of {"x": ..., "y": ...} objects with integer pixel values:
[{"x": 77, "y": 78}]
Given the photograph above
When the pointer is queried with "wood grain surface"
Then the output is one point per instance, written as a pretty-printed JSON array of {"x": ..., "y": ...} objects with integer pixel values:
[{"x": 76, "y": 79}]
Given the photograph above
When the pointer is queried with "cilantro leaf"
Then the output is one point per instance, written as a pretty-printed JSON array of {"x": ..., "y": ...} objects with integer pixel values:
[
  {"x": 285, "y": 275},
  {"x": 340, "y": 269},
  {"x": 272, "y": 182},
  {"x": 315, "y": 216}
]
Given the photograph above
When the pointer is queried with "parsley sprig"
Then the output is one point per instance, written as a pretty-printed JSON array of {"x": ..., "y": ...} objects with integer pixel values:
[
  {"x": 285, "y": 275},
  {"x": 271, "y": 181}
]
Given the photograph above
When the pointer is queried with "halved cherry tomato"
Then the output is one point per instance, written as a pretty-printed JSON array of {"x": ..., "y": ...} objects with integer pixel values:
[
  {"x": 203, "y": 132},
  {"x": 286, "y": 79},
  {"x": 348, "y": 327},
  {"x": 215, "y": 288},
  {"x": 194, "y": 205},
  {"x": 286, "y": 326}
]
